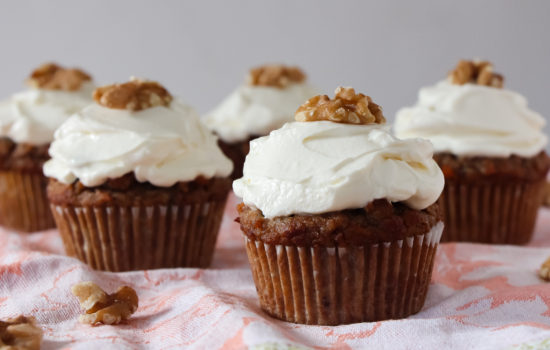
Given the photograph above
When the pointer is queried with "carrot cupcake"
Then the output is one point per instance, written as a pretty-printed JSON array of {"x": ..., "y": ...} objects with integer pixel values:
[
  {"x": 137, "y": 181},
  {"x": 27, "y": 124},
  {"x": 490, "y": 147},
  {"x": 339, "y": 216},
  {"x": 266, "y": 102}
]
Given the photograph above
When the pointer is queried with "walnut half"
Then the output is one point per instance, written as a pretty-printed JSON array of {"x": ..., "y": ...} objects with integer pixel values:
[
  {"x": 51, "y": 76},
  {"x": 134, "y": 95},
  {"x": 346, "y": 107},
  {"x": 476, "y": 72},
  {"x": 544, "y": 271},
  {"x": 103, "y": 308},
  {"x": 20, "y": 333},
  {"x": 275, "y": 75}
]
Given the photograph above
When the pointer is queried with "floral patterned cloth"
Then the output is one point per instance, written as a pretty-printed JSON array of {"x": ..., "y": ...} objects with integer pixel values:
[{"x": 481, "y": 296}]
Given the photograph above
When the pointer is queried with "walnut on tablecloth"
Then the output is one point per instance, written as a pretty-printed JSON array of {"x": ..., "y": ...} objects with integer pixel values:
[
  {"x": 544, "y": 271},
  {"x": 103, "y": 308},
  {"x": 20, "y": 333}
]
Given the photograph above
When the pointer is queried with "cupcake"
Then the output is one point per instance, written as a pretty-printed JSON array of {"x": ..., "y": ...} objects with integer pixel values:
[
  {"x": 137, "y": 181},
  {"x": 27, "y": 124},
  {"x": 266, "y": 102},
  {"x": 490, "y": 147},
  {"x": 338, "y": 215}
]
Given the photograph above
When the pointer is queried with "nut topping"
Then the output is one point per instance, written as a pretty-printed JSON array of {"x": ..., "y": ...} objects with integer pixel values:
[
  {"x": 275, "y": 75},
  {"x": 346, "y": 107},
  {"x": 476, "y": 72},
  {"x": 544, "y": 271},
  {"x": 20, "y": 333},
  {"x": 50, "y": 76},
  {"x": 135, "y": 95},
  {"x": 103, "y": 308}
]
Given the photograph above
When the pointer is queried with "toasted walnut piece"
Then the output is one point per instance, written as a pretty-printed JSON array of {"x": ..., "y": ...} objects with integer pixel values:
[
  {"x": 20, "y": 333},
  {"x": 544, "y": 271},
  {"x": 346, "y": 107},
  {"x": 134, "y": 95},
  {"x": 275, "y": 75},
  {"x": 103, "y": 308},
  {"x": 476, "y": 72},
  {"x": 51, "y": 76}
]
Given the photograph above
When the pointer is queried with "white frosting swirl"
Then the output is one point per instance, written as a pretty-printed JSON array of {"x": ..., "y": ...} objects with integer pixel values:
[
  {"x": 32, "y": 116},
  {"x": 473, "y": 120},
  {"x": 317, "y": 167},
  {"x": 160, "y": 145},
  {"x": 256, "y": 110}
]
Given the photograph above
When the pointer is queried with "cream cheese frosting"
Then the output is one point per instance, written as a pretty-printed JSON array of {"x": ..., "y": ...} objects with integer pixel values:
[
  {"x": 256, "y": 110},
  {"x": 321, "y": 166},
  {"x": 161, "y": 145},
  {"x": 473, "y": 120},
  {"x": 32, "y": 116}
]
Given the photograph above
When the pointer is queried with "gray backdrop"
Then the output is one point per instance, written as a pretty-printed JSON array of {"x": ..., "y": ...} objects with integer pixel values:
[{"x": 202, "y": 49}]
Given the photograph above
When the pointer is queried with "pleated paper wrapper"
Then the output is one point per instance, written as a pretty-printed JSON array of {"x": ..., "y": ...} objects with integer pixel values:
[
  {"x": 501, "y": 213},
  {"x": 141, "y": 237},
  {"x": 24, "y": 205},
  {"x": 341, "y": 285}
]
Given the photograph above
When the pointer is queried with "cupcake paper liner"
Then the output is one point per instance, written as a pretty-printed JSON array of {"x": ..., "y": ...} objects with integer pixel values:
[
  {"x": 140, "y": 237},
  {"x": 24, "y": 204},
  {"x": 502, "y": 213},
  {"x": 340, "y": 285}
]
